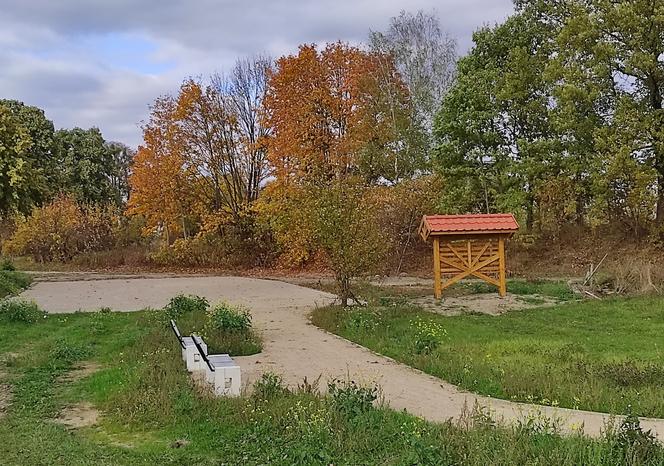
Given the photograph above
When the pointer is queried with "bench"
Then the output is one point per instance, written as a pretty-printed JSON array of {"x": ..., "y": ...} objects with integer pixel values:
[{"x": 220, "y": 370}]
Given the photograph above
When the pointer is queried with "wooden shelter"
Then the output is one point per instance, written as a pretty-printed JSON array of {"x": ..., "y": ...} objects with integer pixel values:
[{"x": 468, "y": 245}]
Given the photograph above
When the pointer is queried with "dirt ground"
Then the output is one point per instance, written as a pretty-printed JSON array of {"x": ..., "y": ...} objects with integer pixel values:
[
  {"x": 485, "y": 303},
  {"x": 296, "y": 349}
]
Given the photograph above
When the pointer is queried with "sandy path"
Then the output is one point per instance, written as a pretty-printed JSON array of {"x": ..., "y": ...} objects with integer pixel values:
[{"x": 296, "y": 349}]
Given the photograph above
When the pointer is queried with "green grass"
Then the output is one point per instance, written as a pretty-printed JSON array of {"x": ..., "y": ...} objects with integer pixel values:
[
  {"x": 149, "y": 402},
  {"x": 603, "y": 356},
  {"x": 12, "y": 282}
]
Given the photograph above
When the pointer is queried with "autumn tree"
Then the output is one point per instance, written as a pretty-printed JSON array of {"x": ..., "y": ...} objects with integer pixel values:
[
  {"x": 207, "y": 144},
  {"x": 340, "y": 120},
  {"x": 163, "y": 189},
  {"x": 328, "y": 117}
]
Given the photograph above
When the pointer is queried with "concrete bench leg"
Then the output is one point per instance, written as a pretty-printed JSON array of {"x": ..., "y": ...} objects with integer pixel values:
[{"x": 227, "y": 381}]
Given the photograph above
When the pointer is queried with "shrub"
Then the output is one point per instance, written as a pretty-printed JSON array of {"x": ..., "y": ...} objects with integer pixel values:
[
  {"x": 351, "y": 399},
  {"x": 21, "y": 311},
  {"x": 428, "y": 336},
  {"x": 13, "y": 282},
  {"x": 67, "y": 353},
  {"x": 7, "y": 265},
  {"x": 269, "y": 386},
  {"x": 181, "y": 305},
  {"x": 232, "y": 319},
  {"x": 61, "y": 230}
]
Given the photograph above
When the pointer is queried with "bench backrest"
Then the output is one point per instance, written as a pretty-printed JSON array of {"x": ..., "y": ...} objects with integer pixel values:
[
  {"x": 196, "y": 339},
  {"x": 176, "y": 331}
]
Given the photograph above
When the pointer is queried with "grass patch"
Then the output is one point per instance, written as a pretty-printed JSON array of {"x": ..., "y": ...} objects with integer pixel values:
[
  {"x": 603, "y": 356},
  {"x": 150, "y": 407},
  {"x": 13, "y": 282}
]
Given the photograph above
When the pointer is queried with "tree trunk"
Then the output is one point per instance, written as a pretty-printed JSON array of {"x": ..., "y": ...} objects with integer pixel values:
[
  {"x": 659, "y": 214},
  {"x": 344, "y": 290}
]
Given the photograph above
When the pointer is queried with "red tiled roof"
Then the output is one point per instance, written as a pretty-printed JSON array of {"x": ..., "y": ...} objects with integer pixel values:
[{"x": 471, "y": 223}]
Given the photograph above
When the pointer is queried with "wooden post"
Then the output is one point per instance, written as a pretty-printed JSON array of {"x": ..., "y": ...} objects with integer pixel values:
[
  {"x": 501, "y": 266},
  {"x": 437, "y": 283}
]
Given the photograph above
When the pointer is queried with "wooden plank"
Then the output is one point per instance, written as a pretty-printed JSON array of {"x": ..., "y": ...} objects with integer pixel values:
[
  {"x": 468, "y": 272},
  {"x": 449, "y": 245},
  {"x": 502, "y": 287},
  {"x": 437, "y": 281},
  {"x": 478, "y": 256}
]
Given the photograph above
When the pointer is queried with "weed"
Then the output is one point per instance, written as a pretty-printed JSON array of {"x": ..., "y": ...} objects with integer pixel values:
[
  {"x": 363, "y": 321},
  {"x": 27, "y": 312},
  {"x": 7, "y": 265},
  {"x": 66, "y": 352},
  {"x": 351, "y": 399},
  {"x": 233, "y": 319},
  {"x": 12, "y": 283},
  {"x": 181, "y": 305},
  {"x": 636, "y": 445},
  {"x": 269, "y": 386},
  {"x": 428, "y": 336}
]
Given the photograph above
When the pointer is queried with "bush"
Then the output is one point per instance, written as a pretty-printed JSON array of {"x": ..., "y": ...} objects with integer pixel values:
[
  {"x": 21, "y": 311},
  {"x": 227, "y": 318},
  {"x": 12, "y": 283},
  {"x": 181, "y": 305},
  {"x": 351, "y": 399},
  {"x": 61, "y": 230},
  {"x": 7, "y": 265}
]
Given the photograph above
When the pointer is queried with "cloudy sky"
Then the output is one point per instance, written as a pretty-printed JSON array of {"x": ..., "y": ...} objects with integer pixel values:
[{"x": 101, "y": 63}]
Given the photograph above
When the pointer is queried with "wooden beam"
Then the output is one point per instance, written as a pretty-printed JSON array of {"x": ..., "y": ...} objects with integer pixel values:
[
  {"x": 470, "y": 271},
  {"x": 502, "y": 287},
  {"x": 437, "y": 282}
]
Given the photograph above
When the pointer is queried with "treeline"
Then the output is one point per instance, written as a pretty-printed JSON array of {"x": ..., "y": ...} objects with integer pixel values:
[
  {"x": 556, "y": 115},
  {"x": 40, "y": 163}
]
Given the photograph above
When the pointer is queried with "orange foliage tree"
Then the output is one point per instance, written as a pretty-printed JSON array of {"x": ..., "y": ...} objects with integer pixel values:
[
  {"x": 203, "y": 158},
  {"x": 163, "y": 187},
  {"x": 338, "y": 112},
  {"x": 341, "y": 126}
]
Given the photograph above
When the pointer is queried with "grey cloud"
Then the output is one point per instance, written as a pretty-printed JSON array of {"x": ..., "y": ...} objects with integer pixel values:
[{"x": 45, "y": 63}]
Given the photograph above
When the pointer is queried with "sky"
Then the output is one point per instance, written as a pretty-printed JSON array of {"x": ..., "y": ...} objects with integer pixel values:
[{"x": 101, "y": 63}]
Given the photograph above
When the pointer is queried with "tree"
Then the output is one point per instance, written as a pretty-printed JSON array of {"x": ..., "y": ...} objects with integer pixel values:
[
  {"x": 163, "y": 187},
  {"x": 425, "y": 57},
  {"x": 16, "y": 165},
  {"x": 328, "y": 117},
  {"x": 620, "y": 47},
  {"x": 245, "y": 90},
  {"x": 87, "y": 166},
  {"x": 344, "y": 220},
  {"x": 495, "y": 141},
  {"x": 44, "y": 168},
  {"x": 123, "y": 157}
]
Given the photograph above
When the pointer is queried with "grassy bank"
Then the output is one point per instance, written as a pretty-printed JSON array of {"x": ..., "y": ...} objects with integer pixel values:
[
  {"x": 13, "y": 282},
  {"x": 153, "y": 414},
  {"x": 603, "y": 356}
]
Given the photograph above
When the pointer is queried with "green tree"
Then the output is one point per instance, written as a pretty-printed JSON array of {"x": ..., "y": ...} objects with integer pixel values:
[
  {"x": 619, "y": 46},
  {"x": 16, "y": 166},
  {"x": 495, "y": 141},
  {"x": 87, "y": 166},
  {"x": 42, "y": 161}
]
